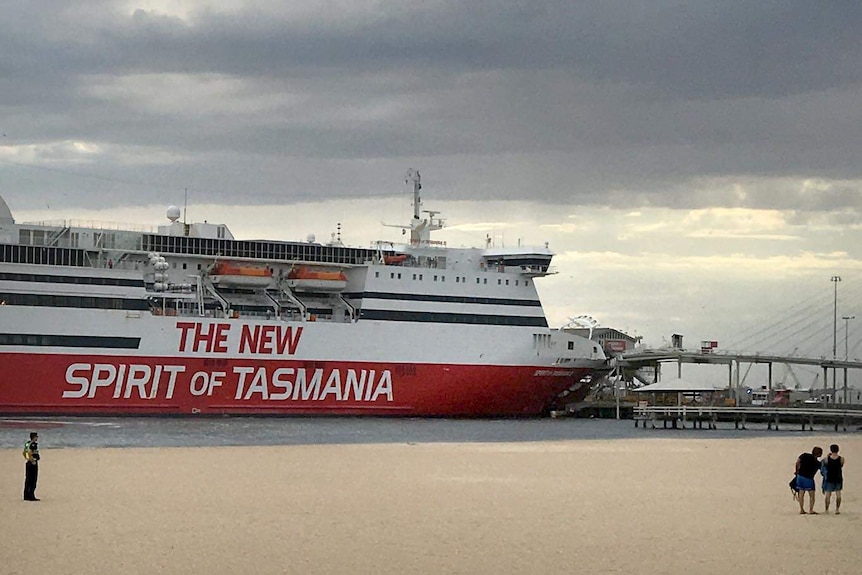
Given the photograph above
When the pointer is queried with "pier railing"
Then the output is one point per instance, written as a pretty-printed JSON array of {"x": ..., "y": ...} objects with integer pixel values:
[{"x": 697, "y": 415}]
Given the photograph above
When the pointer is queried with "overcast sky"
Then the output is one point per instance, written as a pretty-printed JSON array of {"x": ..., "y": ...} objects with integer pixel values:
[{"x": 696, "y": 166}]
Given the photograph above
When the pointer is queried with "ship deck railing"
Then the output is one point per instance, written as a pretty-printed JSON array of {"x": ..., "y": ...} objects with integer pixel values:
[
  {"x": 249, "y": 314},
  {"x": 94, "y": 225}
]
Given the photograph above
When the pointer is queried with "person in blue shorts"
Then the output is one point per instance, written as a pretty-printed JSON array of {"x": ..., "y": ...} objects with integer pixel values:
[
  {"x": 807, "y": 466},
  {"x": 834, "y": 478}
]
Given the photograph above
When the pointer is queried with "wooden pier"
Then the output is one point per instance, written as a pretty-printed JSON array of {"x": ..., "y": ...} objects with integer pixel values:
[{"x": 681, "y": 415}]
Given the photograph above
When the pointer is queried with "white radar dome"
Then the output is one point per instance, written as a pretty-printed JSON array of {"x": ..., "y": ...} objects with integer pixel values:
[
  {"x": 173, "y": 213},
  {"x": 310, "y": 238}
]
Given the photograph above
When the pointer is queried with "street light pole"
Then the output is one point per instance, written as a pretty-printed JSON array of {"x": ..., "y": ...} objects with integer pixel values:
[
  {"x": 846, "y": 319},
  {"x": 834, "y": 280}
]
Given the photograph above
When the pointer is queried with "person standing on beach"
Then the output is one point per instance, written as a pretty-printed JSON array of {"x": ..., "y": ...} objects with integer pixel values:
[
  {"x": 807, "y": 466},
  {"x": 31, "y": 467},
  {"x": 834, "y": 482}
]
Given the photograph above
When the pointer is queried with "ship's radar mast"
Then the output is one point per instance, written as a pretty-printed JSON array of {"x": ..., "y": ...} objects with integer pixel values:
[
  {"x": 420, "y": 229},
  {"x": 414, "y": 179}
]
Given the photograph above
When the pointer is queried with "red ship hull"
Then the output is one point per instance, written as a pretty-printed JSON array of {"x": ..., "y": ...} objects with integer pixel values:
[{"x": 114, "y": 385}]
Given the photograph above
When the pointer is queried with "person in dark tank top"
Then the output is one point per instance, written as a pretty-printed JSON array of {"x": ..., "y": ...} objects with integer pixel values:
[{"x": 833, "y": 464}]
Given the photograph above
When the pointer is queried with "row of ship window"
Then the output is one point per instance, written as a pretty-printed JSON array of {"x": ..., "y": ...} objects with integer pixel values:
[
  {"x": 83, "y": 280},
  {"x": 445, "y": 317},
  {"x": 458, "y": 279},
  {"x": 69, "y": 340},
  {"x": 51, "y": 300},
  {"x": 48, "y": 255},
  {"x": 263, "y": 250}
]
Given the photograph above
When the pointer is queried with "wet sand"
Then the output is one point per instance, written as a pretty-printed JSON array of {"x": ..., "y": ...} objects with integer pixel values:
[{"x": 608, "y": 506}]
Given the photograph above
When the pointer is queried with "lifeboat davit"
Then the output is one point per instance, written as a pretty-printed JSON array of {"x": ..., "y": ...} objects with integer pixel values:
[
  {"x": 226, "y": 274},
  {"x": 304, "y": 279}
]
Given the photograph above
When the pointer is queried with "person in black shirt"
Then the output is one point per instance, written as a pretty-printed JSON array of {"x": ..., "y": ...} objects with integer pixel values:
[
  {"x": 834, "y": 481},
  {"x": 807, "y": 466},
  {"x": 31, "y": 468}
]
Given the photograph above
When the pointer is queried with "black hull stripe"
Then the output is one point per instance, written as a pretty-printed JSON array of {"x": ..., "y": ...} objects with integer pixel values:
[
  {"x": 443, "y": 298},
  {"x": 437, "y": 317},
  {"x": 52, "y": 340}
]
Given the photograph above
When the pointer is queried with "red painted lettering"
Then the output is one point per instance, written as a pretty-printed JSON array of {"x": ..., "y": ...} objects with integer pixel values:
[
  {"x": 248, "y": 339},
  {"x": 202, "y": 336},
  {"x": 185, "y": 327},
  {"x": 212, "y": 339},
  {"x": 288, "y": 340},
  {"x": 220, "y": 340},
  {"x": 269, "y": 339},
  {"x": 266, "y": 339}
]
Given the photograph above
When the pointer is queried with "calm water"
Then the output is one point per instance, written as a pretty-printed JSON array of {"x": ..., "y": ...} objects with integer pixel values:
[{"x": 62, "y": 432}]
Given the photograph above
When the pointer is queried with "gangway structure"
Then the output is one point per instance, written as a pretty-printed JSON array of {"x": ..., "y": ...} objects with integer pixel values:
[{"x": 655, "y": 358}]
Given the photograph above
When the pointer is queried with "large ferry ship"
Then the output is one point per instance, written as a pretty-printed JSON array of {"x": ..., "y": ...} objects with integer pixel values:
[{"x": 189, "y": 320}]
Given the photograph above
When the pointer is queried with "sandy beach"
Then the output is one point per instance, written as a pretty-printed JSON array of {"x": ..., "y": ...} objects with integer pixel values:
[{"x": 653, "y": 505}]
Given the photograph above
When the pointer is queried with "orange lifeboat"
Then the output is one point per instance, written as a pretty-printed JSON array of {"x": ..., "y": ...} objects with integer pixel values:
[
  {"x": 304, "y": 279},
  {"x": 394, "y": 260},
  {"x": 228, "y": 274}
]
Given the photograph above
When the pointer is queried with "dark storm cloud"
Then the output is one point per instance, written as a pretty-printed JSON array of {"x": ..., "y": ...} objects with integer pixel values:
[
  {"x": 708, "y": 50},
  {"x": 559, "y": 101}
]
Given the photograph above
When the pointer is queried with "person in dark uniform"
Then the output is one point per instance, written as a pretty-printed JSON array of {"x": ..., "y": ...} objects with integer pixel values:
[
  {"x": 807, "y": 466},
  {"x": 31, "y": 474}
]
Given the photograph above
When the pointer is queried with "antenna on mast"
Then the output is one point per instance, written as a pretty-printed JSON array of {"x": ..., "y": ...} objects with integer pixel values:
[{"x": 185, "y": 205}]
